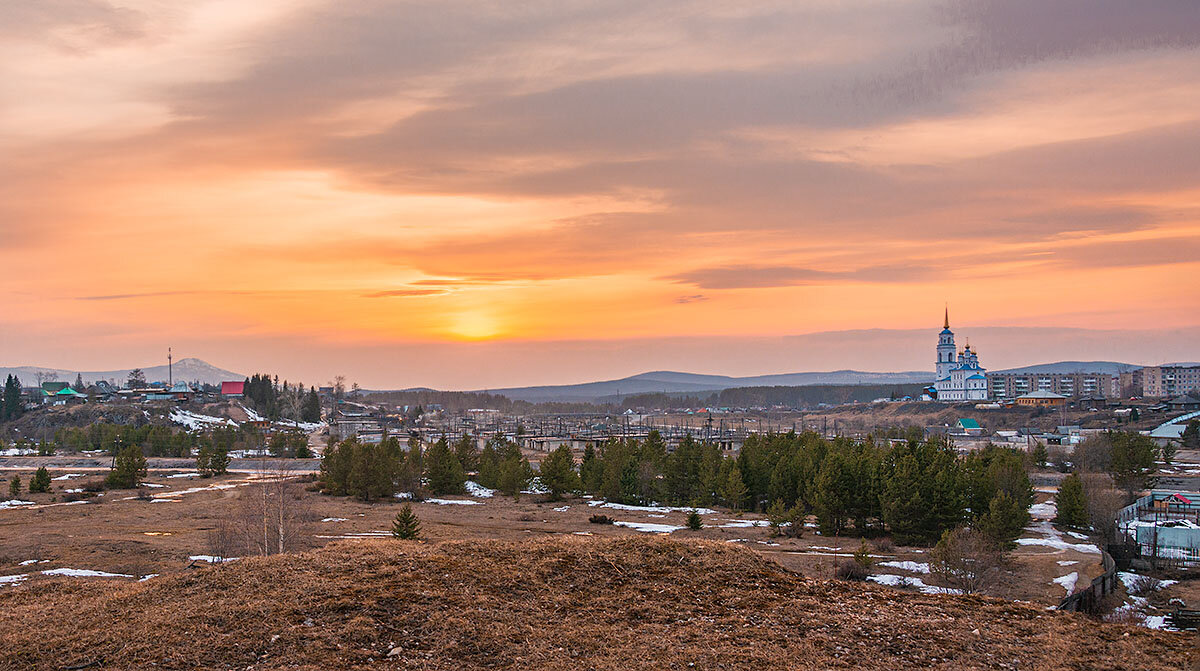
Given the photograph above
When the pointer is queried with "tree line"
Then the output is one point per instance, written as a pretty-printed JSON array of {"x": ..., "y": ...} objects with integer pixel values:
[
  {"x": 266, "y": 396},
  {"x": 913, "y": 489}
]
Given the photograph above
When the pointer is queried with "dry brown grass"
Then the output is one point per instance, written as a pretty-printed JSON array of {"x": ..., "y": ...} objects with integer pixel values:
[{"x": 567, "y": 603}]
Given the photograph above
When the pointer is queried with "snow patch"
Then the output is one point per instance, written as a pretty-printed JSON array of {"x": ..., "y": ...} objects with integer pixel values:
[
  {"x": 212, "y": 559},
  {"x": 333, "y": 519},
  {"x": 905, "y": 581},
  {"x": 184, "y": 475},
  {"x": 15, "y": 503},
  {"x": 68, "y": 476},
  {"x": 1067, "y": 581},
  {"x": 196, "y": 422},
  {"x": 652, "y": 508},
  {"x": 649, "y": 527},
  {"x": 479, "y": 491},
  {"x": 147, "y": 577},
  {"x": 913, "y": 566},
  {"x": 743, "y": 524},
  {"x": 453, "y": 502},
  {"x": 85, "y": 573},
  {"x": 13, "y": 579}
]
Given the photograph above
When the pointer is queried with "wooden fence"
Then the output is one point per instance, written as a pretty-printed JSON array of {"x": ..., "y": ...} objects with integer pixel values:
[{"x": 1088, "y": 600}]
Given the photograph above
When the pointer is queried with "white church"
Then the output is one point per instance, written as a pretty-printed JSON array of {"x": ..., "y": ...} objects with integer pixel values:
[{"x": 959, "y": 377}]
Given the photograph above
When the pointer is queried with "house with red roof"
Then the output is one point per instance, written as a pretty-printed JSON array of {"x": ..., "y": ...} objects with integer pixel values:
[{"x": 233, "y": 389}]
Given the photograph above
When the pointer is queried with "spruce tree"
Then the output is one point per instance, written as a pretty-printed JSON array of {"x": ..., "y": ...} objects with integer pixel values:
[
  {"x": 40, "y": 482},
  {"x": 11, "y": 408},
  {"x": 1071, "y": 502},
  {"x": 1040, "y": 455},
  {"x": 14, "y": 486},
  {"x": 557, "y": 472},
  {"x": 904, "y": 507},
  {"x": 406, "y": 526},
  {"x": 445, "y": 472},
  {"x": 694, "y": 522}
]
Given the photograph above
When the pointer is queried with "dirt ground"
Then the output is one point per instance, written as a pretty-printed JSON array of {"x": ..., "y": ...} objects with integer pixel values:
[{"x": 120, "y": 533}]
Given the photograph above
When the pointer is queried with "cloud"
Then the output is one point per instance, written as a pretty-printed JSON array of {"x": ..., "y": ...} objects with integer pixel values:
[
  {"x": 403, "y": 293},
  {"x": 759, "y": 277},
  {"x": 694, "y": 298}
]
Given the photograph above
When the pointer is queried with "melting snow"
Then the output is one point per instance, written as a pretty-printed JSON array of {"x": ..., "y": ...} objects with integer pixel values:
[
  {"x": 479, "y": 491},
  {"x": 147, "y": 577},
  {"x": 649, "y": 527},
  {"x": 905, "y": 581},
  {"x": 334, "y": 519},
  {"x": 562, "y": 509},
  {"x": 12, "y": 579},
  {"x": 743, "y": 524},
  {"x": 85, "y": 573},
  {"x": 1055, "y": 540},
  {"x": 14, "y": 504},
  {"x": 68, "y": 476},
  {"x": 453, "y": 502},
  {"x": 194, "y": 421},
  {"x": 1066, "y": 563},
  {"x": 913, "y": 566},
  {"x": 1043, "y": 511},
  {"x": 184, "y": 475},
  {"x": 1068, "y": 582},
  {"x": 27, "y": 562},
  {"x": 652, "y": 509},
  {"x": 212, "y": 559}
]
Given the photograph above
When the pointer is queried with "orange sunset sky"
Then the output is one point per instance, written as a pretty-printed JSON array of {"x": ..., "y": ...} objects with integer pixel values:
[{"x": 481, "y": 194}]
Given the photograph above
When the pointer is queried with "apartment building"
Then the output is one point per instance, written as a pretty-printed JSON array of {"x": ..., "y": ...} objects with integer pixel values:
[
  {"x": 1166, "y": 381},
  {"x": 1008, "y": 386}
]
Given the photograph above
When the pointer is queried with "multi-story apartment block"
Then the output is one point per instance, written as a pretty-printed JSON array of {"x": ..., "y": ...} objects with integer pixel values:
[
  {"x": 1166, "y": 381},
  {"x": 1008, "y": 386}
]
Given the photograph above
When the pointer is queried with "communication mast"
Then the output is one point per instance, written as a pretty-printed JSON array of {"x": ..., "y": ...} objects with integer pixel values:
[{"x": 170, "y": 370}]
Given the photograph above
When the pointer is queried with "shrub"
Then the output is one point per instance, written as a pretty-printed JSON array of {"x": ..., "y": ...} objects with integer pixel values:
[
  {"x": 693, "y": 521},
  {"x": 885, "y": 545},
  {"x": 601, "y": 519},
  {"x": 14, "y": 486},
  {"x": 1142, "y": 585},
  {"x": 966, "y": 559},
  {"x": 850, "y": 569},
  {"x": 863, "y": 558}
]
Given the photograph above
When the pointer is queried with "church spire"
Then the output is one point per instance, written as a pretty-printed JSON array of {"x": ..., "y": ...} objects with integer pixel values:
[{"x": 947, "y": 316}]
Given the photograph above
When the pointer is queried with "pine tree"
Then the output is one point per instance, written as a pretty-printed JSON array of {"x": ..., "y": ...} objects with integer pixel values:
[
  {"x": 904, "y": 508},
  {"x": 694, "y": 522},
  {"x": 734, "y": 492},
  {"x": 1071, "y": 502},
  {"x": 78, "y": 386},
  {"x": 129, "y": 469},
  {"x": 445, "y": 473},
  {"x": 591, "y": 472},
  {"x": 406, "y": 526},
  {"x": 1040, "y": 455},
  {"x": 311, "y": 410},
  {"x": 557, "y": 472},
  {"x": 1005, "y": 519},
  {"x": 40, "y": 482},
  {"x": 14, "y": 486}
]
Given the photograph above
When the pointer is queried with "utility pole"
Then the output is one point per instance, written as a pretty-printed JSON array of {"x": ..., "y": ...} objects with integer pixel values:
[{"x": 170, "y": 370}]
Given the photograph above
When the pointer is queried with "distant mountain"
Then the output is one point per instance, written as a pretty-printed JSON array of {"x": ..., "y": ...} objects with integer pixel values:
[
  {"x": 1109, "y": 367},
  {"x": 185, "y": 370},
  {"x": 672, "y": 381}
]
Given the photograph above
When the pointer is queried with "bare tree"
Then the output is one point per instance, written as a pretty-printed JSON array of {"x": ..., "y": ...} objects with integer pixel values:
[
  {"x": 272, "y": 514},
  {"x": 1104, "y": 501},
  {"x": 967, "y": 560}
]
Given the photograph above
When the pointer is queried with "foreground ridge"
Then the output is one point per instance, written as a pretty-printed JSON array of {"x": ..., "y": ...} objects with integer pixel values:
[{"x": 565, "y": 603}]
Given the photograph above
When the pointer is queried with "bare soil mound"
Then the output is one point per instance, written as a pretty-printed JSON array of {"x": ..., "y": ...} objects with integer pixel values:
[{"x": 626, "y": 603}]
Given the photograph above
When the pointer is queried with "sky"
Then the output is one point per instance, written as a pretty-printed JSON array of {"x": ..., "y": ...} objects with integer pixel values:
[{"x": 482, "y": 194}]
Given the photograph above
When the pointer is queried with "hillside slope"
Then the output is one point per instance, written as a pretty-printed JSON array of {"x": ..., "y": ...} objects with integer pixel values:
[
  {"x": 629, "y": 603},
  {"x": 184, "y": 370}
]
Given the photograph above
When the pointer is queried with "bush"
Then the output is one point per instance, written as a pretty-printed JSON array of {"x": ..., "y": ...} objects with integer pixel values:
[
  {"x": 1142, "y": 585},
  {"x": 601, "y": 519},
  {"x": 850, "y": 569},
  {"x": 966, "y": 559},
  {"x": 693, "y": 521},
  {"x": 885, "y": 545}
]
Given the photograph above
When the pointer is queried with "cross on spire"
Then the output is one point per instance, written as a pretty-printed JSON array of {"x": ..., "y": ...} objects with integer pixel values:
[{"x": 947, "y": 316}]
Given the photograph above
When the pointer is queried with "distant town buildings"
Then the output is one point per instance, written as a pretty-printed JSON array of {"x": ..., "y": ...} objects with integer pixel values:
[
  {"x": 1008, "y": 386},
  {"x": 1166, "y": 381}
]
